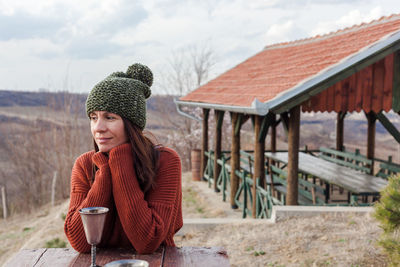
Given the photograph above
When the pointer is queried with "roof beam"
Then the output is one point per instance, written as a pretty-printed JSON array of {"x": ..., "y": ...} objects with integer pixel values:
[
  {"x": 267, "y": 121},
  {"x": 389, "y": 126}
]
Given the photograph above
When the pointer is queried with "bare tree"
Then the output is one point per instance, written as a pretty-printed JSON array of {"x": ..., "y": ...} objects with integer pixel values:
[
  {"x": 44, "y": 145},
  {"x": 187, "y": 69},
  {"x": 203, "y": 59}
]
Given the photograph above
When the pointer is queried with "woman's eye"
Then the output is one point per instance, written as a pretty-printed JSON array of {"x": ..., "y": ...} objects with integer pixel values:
[
  {"x": 92, "y": 118},
  {"x": 110, "y": 117}
]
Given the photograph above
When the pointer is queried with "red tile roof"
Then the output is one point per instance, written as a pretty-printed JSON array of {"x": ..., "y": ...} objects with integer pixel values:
[{"x": 280, "y": 67}]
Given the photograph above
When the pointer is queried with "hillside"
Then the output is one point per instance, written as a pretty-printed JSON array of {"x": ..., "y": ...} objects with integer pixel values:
[
  {"x": 58, "y": 99},
  {"x": 45, "y": 132}
]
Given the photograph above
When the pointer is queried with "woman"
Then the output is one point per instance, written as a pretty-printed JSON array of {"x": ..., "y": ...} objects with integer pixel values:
[{"x": 139, "y": 182}]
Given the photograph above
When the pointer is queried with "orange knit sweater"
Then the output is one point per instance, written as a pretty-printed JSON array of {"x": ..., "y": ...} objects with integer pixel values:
[{"x": 138, "y": 220}]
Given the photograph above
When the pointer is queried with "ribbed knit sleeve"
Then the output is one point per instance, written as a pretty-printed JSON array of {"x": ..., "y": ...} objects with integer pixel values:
[
  {"x": 83, "y": 195},
  {"x": 153, "y": 219}
]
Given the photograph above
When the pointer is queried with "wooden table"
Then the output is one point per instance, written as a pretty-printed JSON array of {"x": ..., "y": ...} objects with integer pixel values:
[
  {"x": 165, "y": 256},
  {"x": 357, "y": 183}
]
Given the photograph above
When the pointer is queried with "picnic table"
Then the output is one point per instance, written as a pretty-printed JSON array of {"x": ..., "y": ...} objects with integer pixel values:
[
  {"x": 355, "y": 182},
  {"x": 164, "y": 256}
]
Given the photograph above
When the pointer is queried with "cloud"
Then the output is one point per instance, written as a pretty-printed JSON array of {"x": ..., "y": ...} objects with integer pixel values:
[
  {"x": 25, "y": 26},
  {"x": 91, "y": 48},
  {"x": 284, "y": 32},
  {"x": 90, "y": 28},
  {"x": 351, "y": 18},
  {"x": 16, "y": 49},
  {"x": 40, "y": 37},
  {"x": 107, "y": 19},
  {"x": 356, "y": 17}
]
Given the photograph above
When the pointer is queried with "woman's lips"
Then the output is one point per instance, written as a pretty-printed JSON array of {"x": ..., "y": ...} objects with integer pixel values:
[{"x": 102, "y": 140}]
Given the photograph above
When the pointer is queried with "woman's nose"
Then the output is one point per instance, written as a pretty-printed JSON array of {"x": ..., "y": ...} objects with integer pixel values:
[{"x": 100, "y": 125}]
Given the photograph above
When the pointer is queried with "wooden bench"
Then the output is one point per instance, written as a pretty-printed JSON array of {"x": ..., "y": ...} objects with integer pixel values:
[
  {"x": 388, "y": 168},
  {"x": 352, "y": 160},
  {"x": 355, "y": 182},
  {"x": 247, "y": 164},
  {"x": 308, "y": 193}
]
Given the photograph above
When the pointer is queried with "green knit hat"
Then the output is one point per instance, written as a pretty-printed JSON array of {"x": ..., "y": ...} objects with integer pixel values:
[{"x": 124, "y": 94}]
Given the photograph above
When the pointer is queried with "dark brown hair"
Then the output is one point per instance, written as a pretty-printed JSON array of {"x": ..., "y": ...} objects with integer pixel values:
[{"x": 145, "y": 155}]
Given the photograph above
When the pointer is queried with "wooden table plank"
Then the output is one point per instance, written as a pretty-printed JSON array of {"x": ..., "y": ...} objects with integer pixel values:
[
  {"x": 154, "y": 259},
  {"x": 349, "y": 179},
  {"x": 176, "y": 257},
  {"x": 26, "y": 257},
  {"x": 63, "y": 257},
  {"x": 104, "y": 256},
  {"x": 195, "y": 257}
]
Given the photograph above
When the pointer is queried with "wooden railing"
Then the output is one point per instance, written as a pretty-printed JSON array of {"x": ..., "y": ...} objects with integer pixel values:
[{"x": 274, "y": 191}]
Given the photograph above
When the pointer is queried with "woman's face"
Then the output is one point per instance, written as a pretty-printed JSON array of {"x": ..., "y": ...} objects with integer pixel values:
[{"x": 107, "y": 129}]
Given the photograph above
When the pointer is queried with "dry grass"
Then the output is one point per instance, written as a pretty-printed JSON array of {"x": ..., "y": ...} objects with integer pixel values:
[
  {"x": 340, "y": 240},
  {"x": 324, "y": 240},
  {"x": 31, "y": 230}
]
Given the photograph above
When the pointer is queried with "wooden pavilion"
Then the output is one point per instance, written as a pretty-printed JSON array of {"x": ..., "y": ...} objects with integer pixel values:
[{"x": 354, "y": 69}]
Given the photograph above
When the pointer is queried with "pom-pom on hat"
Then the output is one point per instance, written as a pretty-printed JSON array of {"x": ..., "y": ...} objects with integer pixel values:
[{"x": 124, "y": 94}]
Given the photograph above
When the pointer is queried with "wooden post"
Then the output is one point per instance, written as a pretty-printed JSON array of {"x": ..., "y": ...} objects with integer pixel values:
[
  {"x": 53, "y": 188},
  {"x": 219, "y": 116},
  {"x": 259, "y": 162},
  {"x": 274, "y": 124},
  {"x": 4, "y": 201},
  {"x": 273, "y": 134},
  {"x": 204, "y": 142},
  {"x": 340, "y": 130},
  {"x": 339, "y": 137},
  {"x": 371, "y": 117},
  {"x": 235, "y": 156},
  {"x": 293, "y": 157}
]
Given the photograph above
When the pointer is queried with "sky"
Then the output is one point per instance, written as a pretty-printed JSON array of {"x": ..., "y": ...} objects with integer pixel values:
[{"x": 71, "y": 45}]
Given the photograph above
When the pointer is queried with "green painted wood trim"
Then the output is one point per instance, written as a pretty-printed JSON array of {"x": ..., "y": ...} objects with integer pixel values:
[
  {"x": 244, "y": 153},
  {"x": 389, "y": 126},
  {"x": 220, "y": 119},
  {"x": 299, "y": 99},
  {"x": 253, "y": 121},
  {"x": 206, "y": 113},
  {"x": 396, "y": 82},
  {"x": 263, "y": 129},
  {"x": 353, "y": 156},
  {"x": 342, "y": 115},
  {"x": 285, "y": 122},
  {"x": 347, "y": 164},
  {"x": 267, "y": 121},
  {"x": 308, "y": 184},
  {"x": 388, "y": 169},
  {"x": 278, "y": 171},
  {"x": 238, "y": 124}
]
